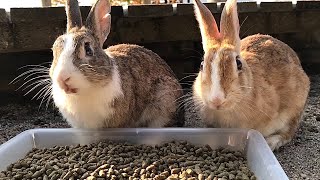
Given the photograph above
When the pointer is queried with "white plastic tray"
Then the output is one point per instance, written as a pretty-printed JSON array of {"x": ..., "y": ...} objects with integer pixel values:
[{"x": 260, "y": 158}]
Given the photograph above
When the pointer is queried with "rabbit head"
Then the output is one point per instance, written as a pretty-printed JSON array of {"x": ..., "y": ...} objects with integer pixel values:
[
  {"x": 224, "y": 76},
  {"x": 79, "y": 61}
]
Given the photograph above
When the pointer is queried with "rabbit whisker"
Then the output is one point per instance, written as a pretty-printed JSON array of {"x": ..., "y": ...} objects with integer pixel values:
[
  {"x": 34, "y": 66},
  {"x": 247, "y": 30},
  {"x": 41, "y": 81},
  {"x": 243, "y": 22},
  {"x": 185, "y": 83},
  {"x": 182, "y": 97},
  {"x": 192, "y": 75},
  {"x": 40, "y": 92},
  {"x": 48, "y": 95},
  {"x": 33, "y": 88},
  {"x": 33, "y": 72},
  {"x": 182, "y": 102}
]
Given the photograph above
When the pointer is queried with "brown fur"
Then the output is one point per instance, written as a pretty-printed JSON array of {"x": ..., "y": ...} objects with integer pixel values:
[
  {"x": 268, "y": 94},
  {"x": 149, "y": 87}
]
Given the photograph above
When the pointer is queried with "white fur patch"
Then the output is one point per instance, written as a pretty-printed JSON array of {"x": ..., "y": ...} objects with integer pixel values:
[
  {"x": 64, "y": 66},
  {"x": 91, "y": 106},
  {"x": 216, "y": 90}
]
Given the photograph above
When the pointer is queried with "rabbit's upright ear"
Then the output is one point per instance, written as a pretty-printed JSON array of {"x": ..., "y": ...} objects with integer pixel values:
[
  {"x": 73, "y": 14},
  {"x": 208, "y": 26},
  {"x": 229, "y": 24},
  {"x": 99, "y": 20}
]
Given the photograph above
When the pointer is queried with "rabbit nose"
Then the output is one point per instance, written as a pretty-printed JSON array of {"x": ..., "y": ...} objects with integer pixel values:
[
  {"x": 216, "y": 102},
  {"x": 63, "y": 83}
]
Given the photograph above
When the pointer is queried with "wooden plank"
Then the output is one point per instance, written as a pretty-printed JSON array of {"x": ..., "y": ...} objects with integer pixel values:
[
  {"x": 282, "y": 22},
  {"x": 252, "y": 23},
  {"x": 150, "y": 10},
  {"x": 187, "y": 9},
  {"x": 308, "y": 5},
  {"x": 37, "y": 28},
  {"x": 6, "y": 41},
  {"x": 37, "y": 14},
  {"x": 116, "y": 11},
  {"x": 29, "y": 36},
  {"x": 179, "y": 28},
  {"x": 309, "y": 21},
  {"x": 52, "y": 13},
  {"x": 213, "y": 7},
  {"x": 243, "y": 6},
  {"x": 3, "y": 16},
  {"x": 247, "y": 7},
  {"x": 310, "y": 55},
  {"x": 276, "y": 6},
  {"x": 162, "y": 29}
]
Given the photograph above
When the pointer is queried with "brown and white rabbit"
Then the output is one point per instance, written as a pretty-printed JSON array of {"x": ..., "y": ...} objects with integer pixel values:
[
  {"x": 122, "y": 86},
  {"x": 256, "y": 82}
]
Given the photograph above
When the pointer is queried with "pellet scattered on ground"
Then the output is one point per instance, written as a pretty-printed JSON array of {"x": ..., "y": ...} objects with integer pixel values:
[{"x": 121, "y": 160}]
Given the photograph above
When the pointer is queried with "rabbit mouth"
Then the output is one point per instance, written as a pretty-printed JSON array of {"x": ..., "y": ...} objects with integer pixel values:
[
  {"x": 71, "y": 90},
  {"x": 67, "y": 88},
  {"x": 216, "y": 106}
]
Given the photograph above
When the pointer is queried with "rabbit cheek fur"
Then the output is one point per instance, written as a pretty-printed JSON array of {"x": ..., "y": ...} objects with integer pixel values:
[
  {"x": 92, "y": 104},
  {"x": 256, "y": 83}
]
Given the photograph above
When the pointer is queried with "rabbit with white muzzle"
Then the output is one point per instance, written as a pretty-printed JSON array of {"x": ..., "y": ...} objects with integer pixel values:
[
  {"x": 256, "y": 82},
  {"x": 122, "y": 86}
]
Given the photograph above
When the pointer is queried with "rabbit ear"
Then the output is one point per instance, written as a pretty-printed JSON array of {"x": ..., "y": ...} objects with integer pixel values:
[
  {"x": 99, "y": 20},
  {"x": 229, "y": 24},
  {"x": 208, "y": 26},
  {"x": 73, "y": 14}
]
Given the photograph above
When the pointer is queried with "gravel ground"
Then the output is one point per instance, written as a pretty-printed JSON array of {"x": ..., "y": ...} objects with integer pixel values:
[{"x": 300, "y": 158}]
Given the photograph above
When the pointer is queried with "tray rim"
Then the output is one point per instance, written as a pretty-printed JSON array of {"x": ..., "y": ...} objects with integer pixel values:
[{"x": 248, "y": 132}]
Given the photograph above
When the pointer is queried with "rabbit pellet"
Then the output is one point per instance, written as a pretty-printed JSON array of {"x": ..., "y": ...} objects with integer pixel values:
[{"x": 116, "y": 160}]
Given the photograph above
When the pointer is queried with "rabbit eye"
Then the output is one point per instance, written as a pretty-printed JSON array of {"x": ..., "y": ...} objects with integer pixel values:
[
  {"x": 88, "y": 49},
  {"x": 239, "y": 63},
  {"x": 201, "y": 66}
]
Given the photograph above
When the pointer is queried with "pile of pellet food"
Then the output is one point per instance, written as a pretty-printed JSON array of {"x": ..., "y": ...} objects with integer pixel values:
[{"x": 121, "y": 160}]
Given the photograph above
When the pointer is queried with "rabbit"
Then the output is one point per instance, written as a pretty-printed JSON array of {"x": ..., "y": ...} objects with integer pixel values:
[
  {"x": 255, "y": 83},
  {"x": 123, "y": 86}
]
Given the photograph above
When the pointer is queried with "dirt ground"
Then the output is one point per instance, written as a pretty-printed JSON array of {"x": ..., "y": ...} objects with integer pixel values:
[{"x": 300, "y": 158}]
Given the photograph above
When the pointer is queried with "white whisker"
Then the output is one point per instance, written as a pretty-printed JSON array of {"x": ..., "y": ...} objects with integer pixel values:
[
  {"x": 47, "y": 92},
  {"x": 40, "y": 92},
  {"x": 42, "y": 81},
  {"x": 33, "y": 88},
  {"x": 192, "y": 75},
  {"x": 33, "y": 72}
]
